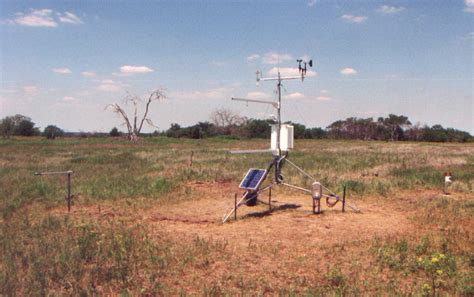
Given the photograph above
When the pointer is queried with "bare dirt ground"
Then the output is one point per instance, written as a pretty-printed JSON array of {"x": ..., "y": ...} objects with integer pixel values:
[
  {"x": 290, "y": 222},
  {"x": 285, "y": 247}
]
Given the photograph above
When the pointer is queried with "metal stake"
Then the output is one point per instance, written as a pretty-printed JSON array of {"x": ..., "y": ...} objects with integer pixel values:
[
  {"x": 344, "y": 199},
  {"x": 69, "y": 191},
  {"x": 69, "y": 174}
]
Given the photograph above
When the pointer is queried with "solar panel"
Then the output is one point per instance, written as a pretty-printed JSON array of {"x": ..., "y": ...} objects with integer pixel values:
[{"x": 253, "y": 179}]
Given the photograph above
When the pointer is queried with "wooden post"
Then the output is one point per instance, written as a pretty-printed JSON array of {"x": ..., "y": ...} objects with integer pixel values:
[
  {"x": 344, "y": 199},
  {"x": 235, "y": 206},
  {"x": 68, "y": 191},
  {"x": 270, "y": 199},
  {"x": 191, "y": 159}
]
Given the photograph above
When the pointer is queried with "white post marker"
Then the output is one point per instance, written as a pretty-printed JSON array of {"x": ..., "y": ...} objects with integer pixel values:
[{"x": 447, "y": 180}]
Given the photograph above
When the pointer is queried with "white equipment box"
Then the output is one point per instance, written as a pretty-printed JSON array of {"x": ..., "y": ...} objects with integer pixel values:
[{"x": 286, "y": 137}]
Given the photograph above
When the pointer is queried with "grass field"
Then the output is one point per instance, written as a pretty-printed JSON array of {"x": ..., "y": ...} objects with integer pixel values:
[{"x": 145, "y": 222}]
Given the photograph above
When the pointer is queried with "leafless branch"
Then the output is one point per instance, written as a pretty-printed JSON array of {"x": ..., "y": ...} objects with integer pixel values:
[{"x": 134, "y": 131}]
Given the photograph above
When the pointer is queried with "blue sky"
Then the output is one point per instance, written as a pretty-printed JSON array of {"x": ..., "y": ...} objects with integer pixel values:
[{"x": 62, "y": 62}]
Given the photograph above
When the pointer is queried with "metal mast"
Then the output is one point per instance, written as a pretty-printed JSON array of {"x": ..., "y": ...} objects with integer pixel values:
[
  {"x": 302, "y": 70},
  {"x": 279, "y": 114}
]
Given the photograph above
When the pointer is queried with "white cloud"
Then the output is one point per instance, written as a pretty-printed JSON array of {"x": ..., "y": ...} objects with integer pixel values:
[
  {"x": 390, "y": 9},
  {"x": 30, "y": 90},
  {"x": 469, "y": 6},
  {"x": 109, "y": 85},
  {"x": 70, "y": 18},
  {"x": 88, "y": 73},
  {"x": 68, "y": 98},
  {"x": 62, "y": 70},
  {"x": 469, "y": 36},
  {"x": 289, "y": 71},
  {"x": 295, "y": 95},
  {"x": 276, "y": 58},
  {"x": 129, "y": 69},
  {"x": 258, "y": 95},
  {"x": 215, "y": 93},
  {"x": 253, "y": 57},
  {"x": 43, "y": 18},
  {"x": 312, "y": 2},
  {"x": 354, "y": 18},
  {"x": 36, "y": 18},
  {"x": 348, "y": 71},
  {"x": 323, "y": 98}
]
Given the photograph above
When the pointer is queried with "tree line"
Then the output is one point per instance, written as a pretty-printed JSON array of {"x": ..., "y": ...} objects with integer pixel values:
[
  {"x": 391, "y": 128},
  {"x": 225, "y": 123},
  {"x": 20, "y": 125}
]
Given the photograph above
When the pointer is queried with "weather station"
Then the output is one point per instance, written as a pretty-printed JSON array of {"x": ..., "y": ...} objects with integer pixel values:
[{"x": 281, "y": 143}]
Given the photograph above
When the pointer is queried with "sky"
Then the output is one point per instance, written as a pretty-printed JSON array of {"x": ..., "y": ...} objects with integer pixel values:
[{"x": 63, "y": 62}]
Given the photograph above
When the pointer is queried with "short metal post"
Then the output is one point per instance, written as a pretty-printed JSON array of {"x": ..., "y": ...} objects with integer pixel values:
[
  {"x": 344, "y": 199},
  {"x": 69, "y": 191},
  {"x": 235, "y": 206}
]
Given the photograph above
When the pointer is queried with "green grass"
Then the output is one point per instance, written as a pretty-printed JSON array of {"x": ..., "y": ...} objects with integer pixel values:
[{"x": 51, "y": 254}]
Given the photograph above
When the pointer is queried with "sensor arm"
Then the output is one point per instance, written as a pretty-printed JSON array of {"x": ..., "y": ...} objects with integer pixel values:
[
  {"x": 281, "y": 78},
  {"x": 275, "y": 104}
]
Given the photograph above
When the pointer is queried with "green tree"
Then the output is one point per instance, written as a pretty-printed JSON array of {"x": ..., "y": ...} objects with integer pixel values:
[
  {"x": 17, "y": 125},
  {"x": 25, "y": 128},
  {"x": 396, "y": 125},
  {"x": 258, "y": 128},
  {"x": 7, "y": 127},
  {"x": 315, "y": 133},
  {"x": 174, "y": 130},
  {"x": 51, "y": 132},
  {"x": 114, "y": 132}
]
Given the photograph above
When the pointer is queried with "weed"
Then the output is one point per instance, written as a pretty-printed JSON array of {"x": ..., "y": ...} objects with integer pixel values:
[{"x": 337, "y": 281}]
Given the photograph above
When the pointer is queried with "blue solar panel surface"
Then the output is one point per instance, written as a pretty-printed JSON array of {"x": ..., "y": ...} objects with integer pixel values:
[{"x": 252, "y": 179}]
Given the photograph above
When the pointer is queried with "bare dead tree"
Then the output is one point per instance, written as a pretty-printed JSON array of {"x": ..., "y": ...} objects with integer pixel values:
[
  {"x": 134, "y": 125},
  {"x": 225, "y": 117},
  {"x": 226, "y": 120}
]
